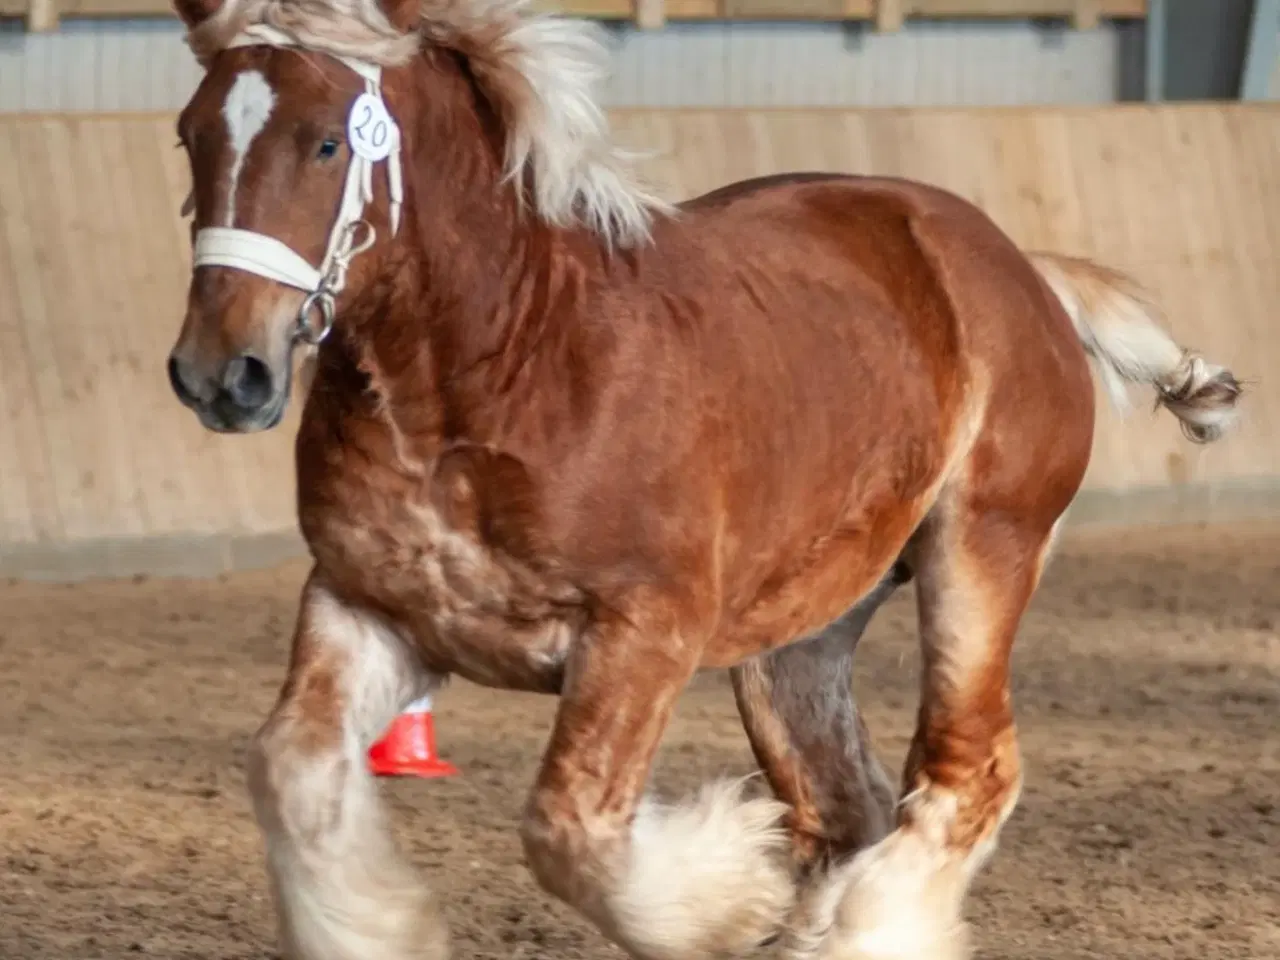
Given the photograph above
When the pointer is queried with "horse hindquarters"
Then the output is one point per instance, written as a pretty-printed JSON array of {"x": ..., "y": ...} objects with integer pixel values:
[{"x": 978, "y": 559}]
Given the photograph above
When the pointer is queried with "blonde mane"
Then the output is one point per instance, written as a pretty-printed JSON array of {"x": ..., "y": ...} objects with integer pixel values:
[{"x": 539, "y": 71}]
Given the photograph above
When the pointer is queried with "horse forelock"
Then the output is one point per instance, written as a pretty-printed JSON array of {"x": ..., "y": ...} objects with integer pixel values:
[
  {"x": 352, "y": 28},
  {"x": 539, "y": 71}
]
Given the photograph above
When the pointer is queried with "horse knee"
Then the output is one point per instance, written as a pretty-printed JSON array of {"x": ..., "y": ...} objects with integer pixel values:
[
  {"x": 298, "y": 790},
  {"x": 563, "y": 855}
]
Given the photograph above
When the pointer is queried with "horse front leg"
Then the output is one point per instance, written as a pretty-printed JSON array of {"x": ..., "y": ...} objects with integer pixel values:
[
  {"x": 705, "y": 878},
  {"x": 342, "y": 891}
]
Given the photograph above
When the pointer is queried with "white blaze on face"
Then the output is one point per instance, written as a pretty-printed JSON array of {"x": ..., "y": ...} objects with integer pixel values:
[{"x": 247, "y": 107}]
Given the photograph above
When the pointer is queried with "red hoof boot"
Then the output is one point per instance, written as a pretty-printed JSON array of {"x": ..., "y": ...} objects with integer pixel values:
[{"x": 408, "y": 748}]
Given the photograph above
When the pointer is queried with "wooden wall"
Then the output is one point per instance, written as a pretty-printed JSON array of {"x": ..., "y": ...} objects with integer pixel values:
[{"x": 102, "y": 471}]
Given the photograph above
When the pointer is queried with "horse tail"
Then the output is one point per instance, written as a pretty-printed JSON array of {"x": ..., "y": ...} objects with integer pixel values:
[{"x": 1121, "y": 330}]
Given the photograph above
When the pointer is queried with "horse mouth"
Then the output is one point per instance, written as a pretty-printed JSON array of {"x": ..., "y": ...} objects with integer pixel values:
[
  {"x": 219, "y": 416},
  {"x": 218, "y": 422}
]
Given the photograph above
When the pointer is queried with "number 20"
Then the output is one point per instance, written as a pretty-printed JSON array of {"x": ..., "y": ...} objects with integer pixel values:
[{"x": 378, "y": 136}]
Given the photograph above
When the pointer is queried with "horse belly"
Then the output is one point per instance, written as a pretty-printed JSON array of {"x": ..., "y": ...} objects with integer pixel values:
[
  {"x": 821, "y": 526},
  {"x": 812, "y": 590}
]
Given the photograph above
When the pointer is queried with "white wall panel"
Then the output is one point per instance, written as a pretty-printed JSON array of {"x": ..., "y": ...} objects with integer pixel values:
[{"x": 143, "y": 65}]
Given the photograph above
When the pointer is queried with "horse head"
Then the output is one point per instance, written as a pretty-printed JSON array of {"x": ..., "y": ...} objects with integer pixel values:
[{"x": 334, "y": 143}]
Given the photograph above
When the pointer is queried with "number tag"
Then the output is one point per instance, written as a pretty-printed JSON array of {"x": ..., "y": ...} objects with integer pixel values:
[{"x": 370, "y": 129}]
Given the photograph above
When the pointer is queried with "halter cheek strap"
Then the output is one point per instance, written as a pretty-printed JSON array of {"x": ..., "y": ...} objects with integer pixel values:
[{"x": 350, "y": 234}]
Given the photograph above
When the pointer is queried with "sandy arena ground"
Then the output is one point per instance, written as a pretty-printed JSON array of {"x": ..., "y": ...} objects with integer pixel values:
[{"x": 1147, "y": 687}]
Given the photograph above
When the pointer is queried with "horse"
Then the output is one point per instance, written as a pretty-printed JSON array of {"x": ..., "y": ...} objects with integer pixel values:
[{"x": 565, "y": 436}]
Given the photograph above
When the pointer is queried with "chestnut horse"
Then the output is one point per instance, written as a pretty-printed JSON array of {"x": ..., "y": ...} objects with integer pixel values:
[{"x": 564, "y": 437}]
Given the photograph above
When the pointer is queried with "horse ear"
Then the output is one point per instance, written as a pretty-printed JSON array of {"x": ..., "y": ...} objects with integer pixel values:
[
  {"x": 405, "y": 15},
  {"x": 195, "y": 12}
]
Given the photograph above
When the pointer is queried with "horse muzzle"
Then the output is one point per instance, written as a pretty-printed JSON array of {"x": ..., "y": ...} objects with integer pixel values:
[{"x": 241, "y": 396}]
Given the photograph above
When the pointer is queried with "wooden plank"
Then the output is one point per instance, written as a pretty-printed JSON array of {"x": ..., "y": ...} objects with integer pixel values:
[
  {"x": 1022, "y": 8},
  {"x": 889, "y": 15},
  {"x": 589, "y": 9},
  {"x": 59, "y": 345},
  {"x": 28, "y": 507},
  {"x": 694, "y": 10},
  {"x": 1086, "y": 14},
  {"x": 42, "y": 16},
  {"x": 650, "y": 14},
  {"x": 795, "y": 10},
  {"x": 94, "y": 299},
  {"x": 784, "y": 9},
  {"x": 115, "y": 8}
]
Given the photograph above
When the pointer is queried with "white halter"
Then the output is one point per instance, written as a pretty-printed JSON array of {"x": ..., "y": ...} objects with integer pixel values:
[{"x": 268, "y": 257}]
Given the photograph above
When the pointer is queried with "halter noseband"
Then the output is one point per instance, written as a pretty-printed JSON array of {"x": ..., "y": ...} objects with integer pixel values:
[{"x": 350, "y": 235}]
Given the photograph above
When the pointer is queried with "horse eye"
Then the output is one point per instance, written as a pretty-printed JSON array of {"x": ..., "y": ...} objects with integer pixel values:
[{"x": 327, "y": 149}]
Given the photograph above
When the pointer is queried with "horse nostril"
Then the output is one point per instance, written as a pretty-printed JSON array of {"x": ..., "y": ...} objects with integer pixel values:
[
  {"x": 247, "y": 381},
  {"x": 176, "y": 381}
]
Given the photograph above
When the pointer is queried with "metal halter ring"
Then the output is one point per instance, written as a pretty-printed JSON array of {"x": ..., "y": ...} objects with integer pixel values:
[{"x": 306, "y": 332}]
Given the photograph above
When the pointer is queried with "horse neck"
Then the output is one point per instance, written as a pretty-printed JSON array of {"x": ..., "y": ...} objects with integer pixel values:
[{"x": 472, "y": 273}]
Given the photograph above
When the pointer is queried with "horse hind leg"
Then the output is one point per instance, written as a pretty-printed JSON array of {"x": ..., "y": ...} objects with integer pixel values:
[
  {"x": 977, "y": 559},
  {"x": 342, "y": 891},
  {"x": 808, "y": 736}
]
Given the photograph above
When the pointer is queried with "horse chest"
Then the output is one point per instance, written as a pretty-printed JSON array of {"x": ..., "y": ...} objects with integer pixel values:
[{"x": 468, "y": 606}]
